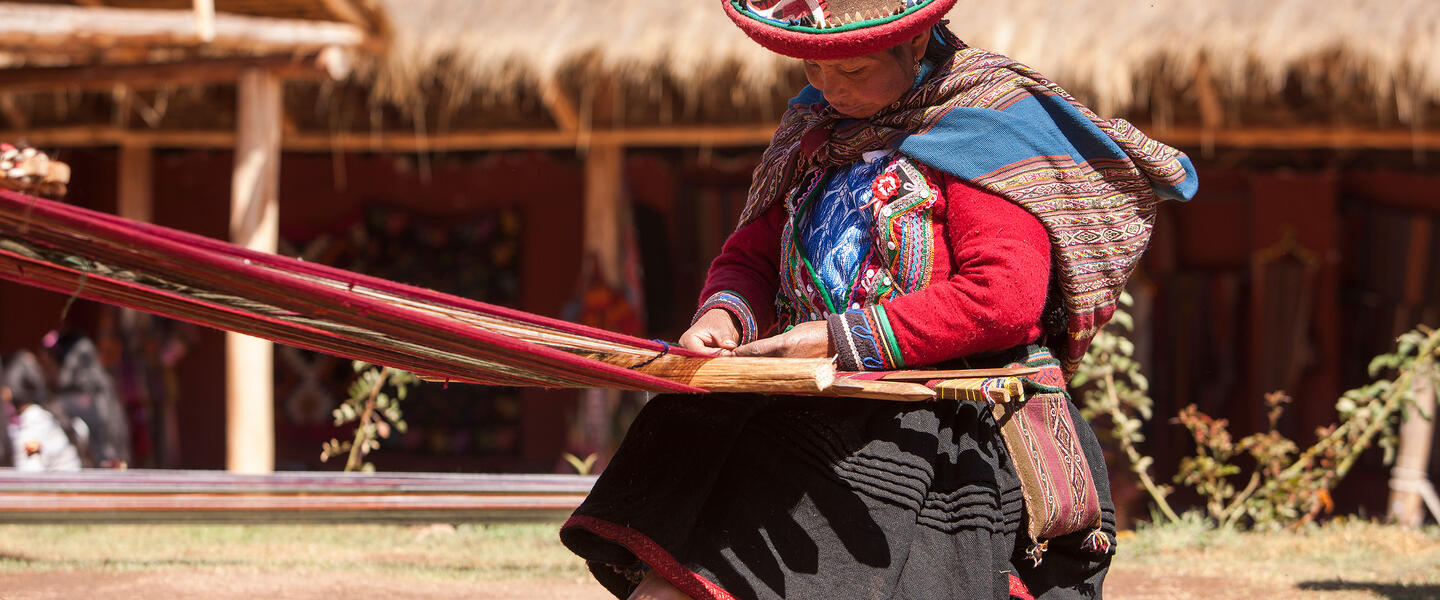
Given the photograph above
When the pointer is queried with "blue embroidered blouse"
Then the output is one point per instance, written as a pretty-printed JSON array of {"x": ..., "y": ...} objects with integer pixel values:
[{"x": 836, "y": 231}]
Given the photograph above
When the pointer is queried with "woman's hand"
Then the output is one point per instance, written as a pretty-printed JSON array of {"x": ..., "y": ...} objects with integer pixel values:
[
  {"x": 714, "y": 333},
  {"x": 810, "y": 339}
]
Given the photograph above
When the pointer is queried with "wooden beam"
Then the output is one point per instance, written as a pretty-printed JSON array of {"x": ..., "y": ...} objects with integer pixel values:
[
  {"x": 157, "y": 496},
  {"x": 50, "y": 27},
  {"x": 254, "y": 224},
  {"x": 1302, "y": 138},
  {"x": 679, "y": 137},
  {"x": 137, "y": 77},
  {"x": 87, "y": 136},
  {"x": 136, "y": 185},
  {"x": 347, "y": 11},
  {"x": 566, "y": 116},
  {"x": 655, "y": 137},
  {"x": 1308, "y": 137}
]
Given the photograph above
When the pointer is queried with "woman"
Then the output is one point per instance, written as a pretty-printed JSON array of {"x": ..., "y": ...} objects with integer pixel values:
[
  {"x": 923, "y": 203},
  {"x": 85, "y": 391},
  {"x": 40, "y": 440}
]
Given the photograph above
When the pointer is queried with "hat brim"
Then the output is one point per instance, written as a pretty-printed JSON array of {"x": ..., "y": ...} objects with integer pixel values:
[{"x": 839, "y": 44}]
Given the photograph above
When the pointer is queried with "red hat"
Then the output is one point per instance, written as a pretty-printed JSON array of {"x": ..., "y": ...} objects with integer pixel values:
[{"x": 831, "y": 29}]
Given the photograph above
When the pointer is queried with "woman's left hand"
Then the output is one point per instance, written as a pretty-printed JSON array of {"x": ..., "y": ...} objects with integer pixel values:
[{"x": 810, "y": 339}]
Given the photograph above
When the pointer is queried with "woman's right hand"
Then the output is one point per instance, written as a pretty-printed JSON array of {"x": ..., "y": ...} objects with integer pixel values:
[{"x": 714, "y": 333}]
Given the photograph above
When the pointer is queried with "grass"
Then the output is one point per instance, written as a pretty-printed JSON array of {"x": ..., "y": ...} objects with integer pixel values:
[
  {"x": 1343, "y": 559},
  {"x": 463, "y": 553},
  {"x": 1371, "y": 560}
]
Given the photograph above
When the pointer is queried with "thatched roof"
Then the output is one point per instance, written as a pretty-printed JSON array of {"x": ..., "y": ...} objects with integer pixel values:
[
  {"x": 1122, "y": 56},
  {"x": 1274, "y": 73}
]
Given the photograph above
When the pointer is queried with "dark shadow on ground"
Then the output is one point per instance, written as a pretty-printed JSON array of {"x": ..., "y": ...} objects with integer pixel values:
[{"x": 1393, "y": 591}]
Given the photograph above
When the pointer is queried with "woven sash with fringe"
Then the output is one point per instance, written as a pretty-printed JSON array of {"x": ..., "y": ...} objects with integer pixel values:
[{"x": 1033, "y": 414}]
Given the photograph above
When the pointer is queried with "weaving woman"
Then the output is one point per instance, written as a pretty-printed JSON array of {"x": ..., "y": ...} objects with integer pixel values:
[{"x": 922, "y": 204}]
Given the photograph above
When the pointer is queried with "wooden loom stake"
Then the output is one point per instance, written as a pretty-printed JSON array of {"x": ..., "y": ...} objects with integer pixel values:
[{"x": 254, "y": 224}]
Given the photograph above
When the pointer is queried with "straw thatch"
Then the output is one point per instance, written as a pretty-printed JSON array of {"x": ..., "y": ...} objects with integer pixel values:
[
  {"x": 1119, "y": 55},
  {"x": 504, "y": 50}
]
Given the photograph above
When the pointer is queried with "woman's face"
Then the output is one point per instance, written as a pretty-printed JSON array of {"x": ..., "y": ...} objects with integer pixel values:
[{"x": 859, "y": 87}]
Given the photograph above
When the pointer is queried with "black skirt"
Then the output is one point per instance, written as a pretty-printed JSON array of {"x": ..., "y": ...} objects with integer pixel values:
[{"x": 749, "y": 496}]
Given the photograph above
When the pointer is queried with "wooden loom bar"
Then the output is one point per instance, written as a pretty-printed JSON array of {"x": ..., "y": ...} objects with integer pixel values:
[
  {"x": 740, "y": 374},
  {"x": 883, "y": 390}
]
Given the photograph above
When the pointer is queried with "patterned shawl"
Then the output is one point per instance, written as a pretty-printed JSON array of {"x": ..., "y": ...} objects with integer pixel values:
[{"x": 984, "y": 118}]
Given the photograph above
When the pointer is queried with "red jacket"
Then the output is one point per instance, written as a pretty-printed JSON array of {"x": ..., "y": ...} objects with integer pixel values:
[{"x": 989, "y": 269}]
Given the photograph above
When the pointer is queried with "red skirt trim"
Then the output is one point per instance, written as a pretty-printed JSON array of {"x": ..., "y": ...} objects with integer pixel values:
[
  {"x": 1018, "y": 591},
  {"x": 657, "y": 558}
]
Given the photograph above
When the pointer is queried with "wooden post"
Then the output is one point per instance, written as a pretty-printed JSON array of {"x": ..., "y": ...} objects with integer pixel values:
[
  {"x": 205, "y": 20},
  {"x": 137, "y": 181},
  {"x": 604, "y": 209},
  {"x": 601, "y": 249},
  {"x": 254, "y": 224},
  {"x": 1409, "y": 486}
]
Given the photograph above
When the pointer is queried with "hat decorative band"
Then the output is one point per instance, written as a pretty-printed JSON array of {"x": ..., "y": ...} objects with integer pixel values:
[
  {"x": 820, "y": 16},
  {"x": 828, "y": 29}
]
